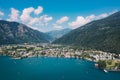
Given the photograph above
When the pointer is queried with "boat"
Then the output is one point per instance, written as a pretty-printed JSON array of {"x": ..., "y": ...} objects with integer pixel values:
[{"x": 105, "y": 71}]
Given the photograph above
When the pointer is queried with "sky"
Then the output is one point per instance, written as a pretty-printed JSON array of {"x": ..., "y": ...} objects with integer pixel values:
[{"x": 48, "y": 15}]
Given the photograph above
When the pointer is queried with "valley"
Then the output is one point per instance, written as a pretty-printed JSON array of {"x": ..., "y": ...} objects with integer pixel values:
[{"x": 59, "y": 39}]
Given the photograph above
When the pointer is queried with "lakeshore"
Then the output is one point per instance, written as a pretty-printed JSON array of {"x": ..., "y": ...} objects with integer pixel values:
[{"x": 105, "y": 60}]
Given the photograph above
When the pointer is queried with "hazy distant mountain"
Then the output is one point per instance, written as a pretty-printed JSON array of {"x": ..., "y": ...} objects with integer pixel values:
[
  {"x": 101, "y": 34},
  {"x": 14, "y": 33},
  {"x": 58, "y": 33}
]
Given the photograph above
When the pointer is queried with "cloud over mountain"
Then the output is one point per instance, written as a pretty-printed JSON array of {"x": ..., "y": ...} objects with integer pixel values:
[
  {"x": 36, "y": 19},
  {"x": 14, "y": 15},
  {"x": 81, "y": 20},
  {"x": 1, "y": 13},
  {"x": 62, "y": 20},
  {"x": 30, "y": 16}
]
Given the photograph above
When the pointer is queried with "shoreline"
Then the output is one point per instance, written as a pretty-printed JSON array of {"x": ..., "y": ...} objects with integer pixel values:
[{"x": 105, "y": 70}]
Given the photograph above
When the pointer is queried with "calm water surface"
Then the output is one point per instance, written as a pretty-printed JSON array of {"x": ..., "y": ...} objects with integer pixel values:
[{"x": 52, "y": 69}]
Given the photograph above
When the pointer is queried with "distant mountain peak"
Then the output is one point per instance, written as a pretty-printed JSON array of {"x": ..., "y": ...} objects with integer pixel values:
[{"x": 55, "y": 34}]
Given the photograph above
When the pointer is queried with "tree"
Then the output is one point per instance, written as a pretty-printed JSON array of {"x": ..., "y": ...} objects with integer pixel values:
[{"x": 102, "y": 64}]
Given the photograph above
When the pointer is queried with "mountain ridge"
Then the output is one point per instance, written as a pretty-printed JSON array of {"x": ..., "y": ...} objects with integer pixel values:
[
  {"x": 103, "y": 34},
  {"x": 16, "y": 33},
  {"x": 55, "y": 34}
]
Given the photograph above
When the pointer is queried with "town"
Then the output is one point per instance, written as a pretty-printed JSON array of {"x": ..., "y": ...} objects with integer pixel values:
[{"x": 105, "y": 60}]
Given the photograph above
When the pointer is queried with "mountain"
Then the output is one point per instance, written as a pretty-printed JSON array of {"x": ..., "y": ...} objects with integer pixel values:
[
  {"x": 58, "y": 33},
  {"x": 16, "y": 33},
  {"x": 101, "y": 34}
]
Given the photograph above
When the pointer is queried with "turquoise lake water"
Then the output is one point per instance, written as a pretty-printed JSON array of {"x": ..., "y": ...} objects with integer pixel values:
[{"x": 52, "y": 69}]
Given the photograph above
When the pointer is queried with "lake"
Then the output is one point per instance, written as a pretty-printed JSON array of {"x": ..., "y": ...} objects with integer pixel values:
[{"x": 46, "y": 68}]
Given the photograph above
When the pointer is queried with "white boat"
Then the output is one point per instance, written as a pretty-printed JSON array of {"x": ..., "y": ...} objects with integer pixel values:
[{"x": 105, "y": 71}]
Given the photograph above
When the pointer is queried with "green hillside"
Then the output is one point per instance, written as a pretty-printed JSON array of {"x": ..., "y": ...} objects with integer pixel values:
[{"x": 101, "y": 34}]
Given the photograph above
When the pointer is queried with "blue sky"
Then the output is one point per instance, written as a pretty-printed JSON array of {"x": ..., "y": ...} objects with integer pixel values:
[{"x": 47, "y": 15}]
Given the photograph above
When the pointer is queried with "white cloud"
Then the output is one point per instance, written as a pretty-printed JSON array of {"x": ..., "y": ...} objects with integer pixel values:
[
  {"x": 30, "y": 17},
  {"x": 32, "y": 21},
  {"x": 101, "y": 16},
  {"x": 45, "y": 18},
  {"x": 14, "y": 16},
  {"x": 80, "y": 20},
  {"x": 62, "y": 20},
  {"x": 25, "y": 17},
  {"x": 33, "y": 18},
  {"x": 1, "y": 13},
  {"x": 41, "y": 21},
  {"x": 114, "y": 11},
  {"x": 57, "y": 26},
  {"x": 38, "y": 10},
  {"x": 26, "y": 14}
]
